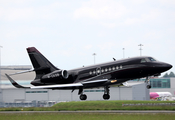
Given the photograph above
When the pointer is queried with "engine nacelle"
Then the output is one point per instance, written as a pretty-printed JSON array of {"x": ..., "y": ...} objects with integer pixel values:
[
  {"x": 59, "y": 74},
  {"x": 64, "y": 74}
]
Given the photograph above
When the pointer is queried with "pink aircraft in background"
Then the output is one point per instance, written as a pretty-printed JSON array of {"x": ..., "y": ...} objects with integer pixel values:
[{"x": 155, "y": 95}]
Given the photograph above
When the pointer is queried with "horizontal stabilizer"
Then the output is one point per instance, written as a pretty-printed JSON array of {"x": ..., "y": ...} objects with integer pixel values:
[
  {"x": 15, "y": 83},
  {"x": 21, "y": 72}
]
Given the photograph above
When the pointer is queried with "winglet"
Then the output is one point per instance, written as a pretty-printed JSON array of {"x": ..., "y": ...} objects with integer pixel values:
[{"x": 15, "y": 83}]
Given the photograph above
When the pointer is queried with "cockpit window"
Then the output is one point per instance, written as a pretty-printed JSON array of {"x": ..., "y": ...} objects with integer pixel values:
[
  {"x": 151, "y": 59},
  {"x": 143, "y": 60}
]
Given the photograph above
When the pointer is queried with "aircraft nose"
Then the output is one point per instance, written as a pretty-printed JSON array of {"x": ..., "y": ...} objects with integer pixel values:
[{"x": 166, "y": 66}]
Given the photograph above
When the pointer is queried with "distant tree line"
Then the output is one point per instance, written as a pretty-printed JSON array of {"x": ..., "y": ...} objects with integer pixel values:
[{"x": 169, "y": 75}]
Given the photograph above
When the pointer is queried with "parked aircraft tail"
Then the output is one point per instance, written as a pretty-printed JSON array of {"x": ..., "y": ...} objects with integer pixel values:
[{"x": 40, "y": 64}]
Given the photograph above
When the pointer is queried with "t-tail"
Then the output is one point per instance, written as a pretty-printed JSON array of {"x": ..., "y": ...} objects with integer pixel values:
[{"x": 40, "y": 64}]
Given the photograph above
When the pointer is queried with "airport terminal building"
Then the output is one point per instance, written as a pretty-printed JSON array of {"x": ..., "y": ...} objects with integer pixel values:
[{"x": 11, "y": 96}]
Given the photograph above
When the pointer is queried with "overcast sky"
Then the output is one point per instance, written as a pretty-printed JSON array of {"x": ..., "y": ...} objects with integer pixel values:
[{"x": 68, "y": 32}]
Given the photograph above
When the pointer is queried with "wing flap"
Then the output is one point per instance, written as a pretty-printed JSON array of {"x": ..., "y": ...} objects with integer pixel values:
[
  {"x": 60, "y": 86},
  {"x": 94, "y": 81}
]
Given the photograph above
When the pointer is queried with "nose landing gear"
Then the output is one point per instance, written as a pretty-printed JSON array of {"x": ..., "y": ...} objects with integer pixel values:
[{"x": 147, "y": 81}]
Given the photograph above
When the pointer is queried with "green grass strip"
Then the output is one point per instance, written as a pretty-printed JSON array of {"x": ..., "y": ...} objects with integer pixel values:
[
  {"x": 85, "y": 116},
  {"x": 102, "y": 105}
]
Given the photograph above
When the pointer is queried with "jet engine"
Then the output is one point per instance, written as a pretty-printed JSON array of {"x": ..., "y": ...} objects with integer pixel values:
[
  {"x": 58, "y": 74},
  {"x": 64, "y": 74}
]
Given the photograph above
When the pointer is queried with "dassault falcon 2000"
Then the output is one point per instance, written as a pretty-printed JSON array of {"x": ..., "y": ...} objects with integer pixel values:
[{"x": 99, "y": 75}]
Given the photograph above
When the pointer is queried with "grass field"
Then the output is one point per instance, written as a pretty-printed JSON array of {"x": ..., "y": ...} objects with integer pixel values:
[
  {"x": 94, "y": 105},
  {"x": 85, "y": 116},
  {"x": 101, "y": 105}
]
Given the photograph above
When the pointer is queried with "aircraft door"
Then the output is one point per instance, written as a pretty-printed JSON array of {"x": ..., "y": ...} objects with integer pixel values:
[{"x": 98, "y": 71}]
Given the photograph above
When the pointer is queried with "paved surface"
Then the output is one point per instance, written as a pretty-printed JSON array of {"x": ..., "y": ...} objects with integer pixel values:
[{"x": 105, "y": 111}]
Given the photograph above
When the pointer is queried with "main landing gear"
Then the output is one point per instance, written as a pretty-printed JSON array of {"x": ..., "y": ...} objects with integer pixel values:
[
  {"x": 147, "y": 81},
  {"x": 106, "y": 95},
  {"x": 82, "y": 96}
]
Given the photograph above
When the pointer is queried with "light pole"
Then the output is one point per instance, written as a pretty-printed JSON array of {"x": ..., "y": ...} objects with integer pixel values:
[
  {"x": 140, "y": 49},
  {"x": 123, "y": 52},
  {"x": 1, "y": 100},
  {"x": 94, "y": 56},
  {"x": 0, "y": 66}
]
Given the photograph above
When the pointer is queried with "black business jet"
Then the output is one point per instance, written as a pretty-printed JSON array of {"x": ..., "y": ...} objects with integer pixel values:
[{"x": 100, "y": 75}]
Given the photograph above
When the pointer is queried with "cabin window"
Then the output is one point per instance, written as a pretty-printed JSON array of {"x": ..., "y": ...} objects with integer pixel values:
[
  {"x": 106, "y": 69},
  {"x": 143, "y": 60},
  {"x": 113, "y": 68},
  {"x": 120, "y": 66},
  {"x": 117, "y": 67},
  {"x": 94, "y": 71},
  {"x": 151, "y": 59},
  {"x": 102, "y": 70},
  {"x": 90, "y": 73},
  {"x": 109, "y": 69}
]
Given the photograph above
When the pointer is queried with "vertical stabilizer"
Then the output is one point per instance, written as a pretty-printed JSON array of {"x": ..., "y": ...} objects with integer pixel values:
[{"x": 41, "y": 65}]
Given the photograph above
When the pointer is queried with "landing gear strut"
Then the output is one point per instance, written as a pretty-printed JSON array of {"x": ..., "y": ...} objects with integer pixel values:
[
  {"x": 106, "y": 95},
  {"x": 147, "y": 81},
  {"x": 82, "y": 96}
]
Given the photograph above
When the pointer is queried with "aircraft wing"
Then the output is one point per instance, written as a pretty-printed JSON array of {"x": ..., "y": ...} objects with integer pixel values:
[
  {"x": 68, "y": 86},
  {"x": 127, "y": 84},
  {"x": 58, "y": 86}
]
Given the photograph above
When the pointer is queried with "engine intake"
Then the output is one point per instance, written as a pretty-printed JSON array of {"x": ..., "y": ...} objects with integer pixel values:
[
  {"x": 59, "y": 74},
  {"x": 64, "y": 74}
]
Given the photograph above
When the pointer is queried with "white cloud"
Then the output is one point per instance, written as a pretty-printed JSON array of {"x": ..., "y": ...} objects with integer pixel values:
[
  {"x": 16, "y": 33},
  {"x": 112, "y": 13},
  {"x": 107, "y": 47},
  {"x": 88, "y": 47},
  {"x": 12, "y": 2},
  {"x": 72, "y": 30},
  {"x": 29, "y": 13},
  {"x": 167, "y": 2},
  {"x": 138, "y": 1},
  {"x": 100, "y": 9},
  {"x": 144, "y": 17},
  {"x": 108, "y": 25}
]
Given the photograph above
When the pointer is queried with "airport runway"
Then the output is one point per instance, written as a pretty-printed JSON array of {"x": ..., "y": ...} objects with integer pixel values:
[{"x": 100, "y": 111}]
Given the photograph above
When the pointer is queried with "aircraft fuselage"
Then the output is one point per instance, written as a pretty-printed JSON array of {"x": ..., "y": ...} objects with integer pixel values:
[{"x": 116, "y": 72}]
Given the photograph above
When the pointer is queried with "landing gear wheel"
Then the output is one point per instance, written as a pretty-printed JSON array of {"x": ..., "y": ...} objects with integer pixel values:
[
  {"x": 83, "y": 97},
  {"x": 106, "y": 96},
  {"x": 148, "y": 86}
]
